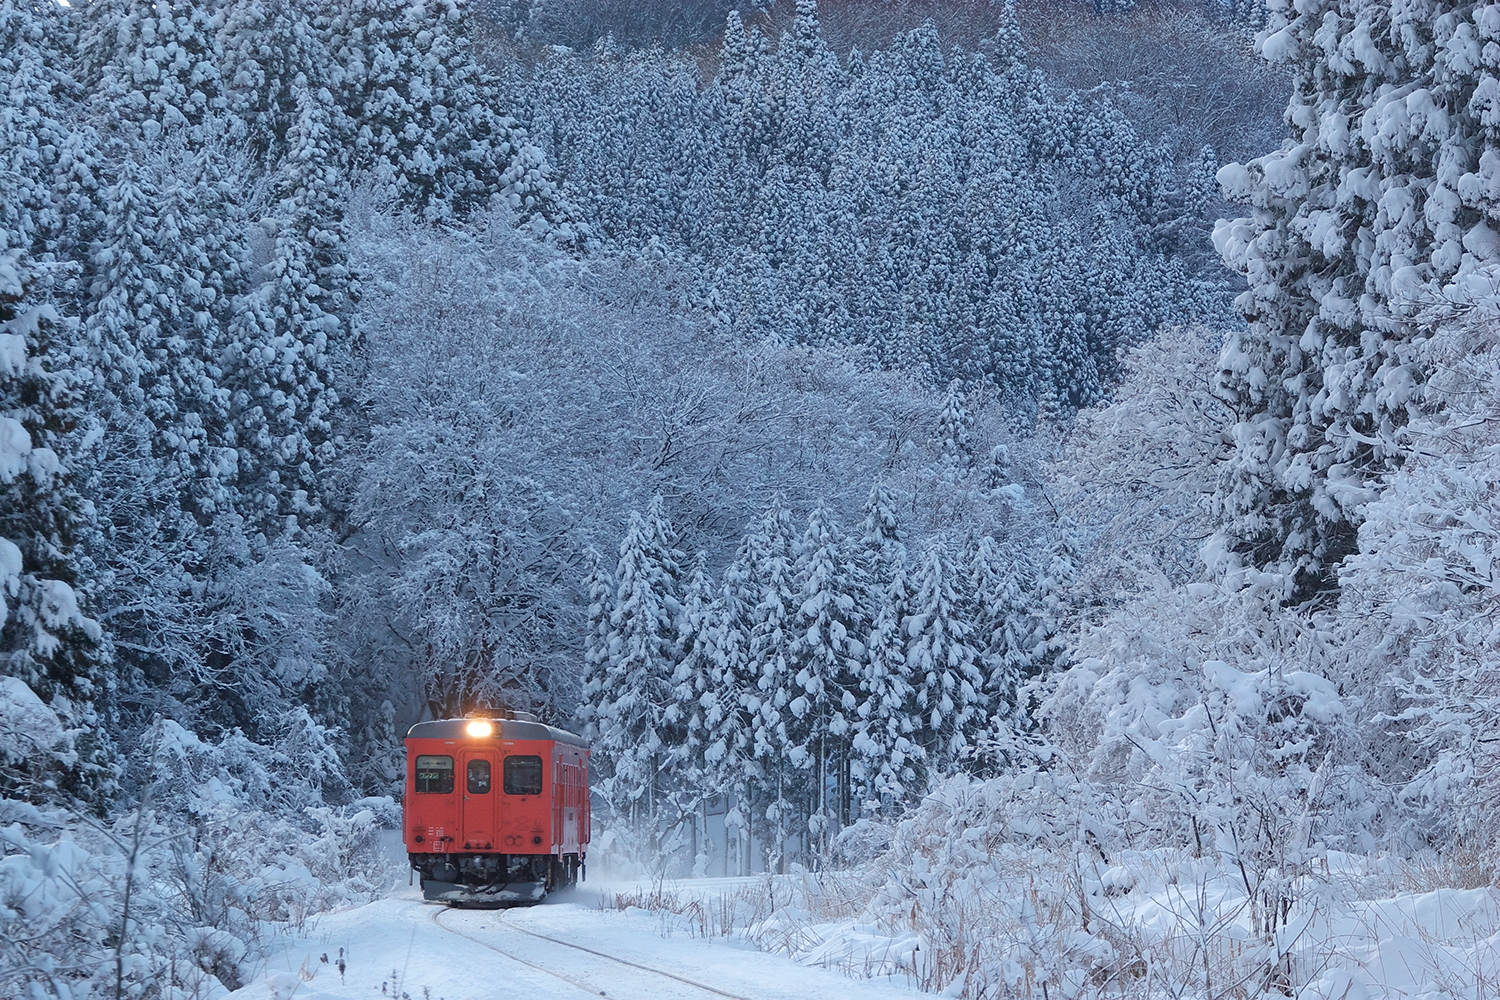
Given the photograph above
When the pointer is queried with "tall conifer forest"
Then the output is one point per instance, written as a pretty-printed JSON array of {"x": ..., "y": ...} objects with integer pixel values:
[{"x": 1014, "y": 460}]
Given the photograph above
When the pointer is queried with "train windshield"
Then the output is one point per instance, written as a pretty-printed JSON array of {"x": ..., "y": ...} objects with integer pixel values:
[
  {"x": 523, "y": 775},
  {"x": 479, "y": 777},
  {"x": 435, "y": 773}
]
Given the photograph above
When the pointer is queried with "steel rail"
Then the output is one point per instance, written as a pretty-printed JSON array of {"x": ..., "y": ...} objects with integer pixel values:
[
  {"x": 622, "y": 961},
  {"x": 577, "y": 983}
]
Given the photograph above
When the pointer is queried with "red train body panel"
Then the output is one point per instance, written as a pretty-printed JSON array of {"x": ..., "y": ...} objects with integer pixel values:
[{"x": 496, "y": 811}]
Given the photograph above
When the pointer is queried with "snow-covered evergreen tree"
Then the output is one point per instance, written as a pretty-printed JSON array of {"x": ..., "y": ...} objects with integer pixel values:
[
  {"x": 695, "y": 688},
  {"x": 942, "y": 660},
  {"x": 427, "y": 130},
  {"x": 34, "y": 131},
  {"x": 293, "y": 327},
  {"x": 1005, "y": 623},
  {"x": 772, "y": 561},
  {"x": 46, "y": 640},
  {"x": 1382, "y": 200},
  {"x": 728, "y": 715},
  {"x": 1055, "y": 596},
  {"x": 600, "y": 587},
  {"x": 886, "y": 731},
  {"x": 152, "y": 67},
  {"x": 127, "y": 311},
  {"x": 153, "y": 321},
  {"x": 639, "y": 722},
  {"x": 880, "y": 533},
  {"x": 272, "y": 50},
  {"x": 826, "y": 651},
  {"x": 954, "y": 429}
]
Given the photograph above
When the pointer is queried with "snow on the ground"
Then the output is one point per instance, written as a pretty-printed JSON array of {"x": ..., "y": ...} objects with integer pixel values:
[
  {"x": 394, "y": 948},
  {"x": 1442, "y": 943},
  {"x": 1439, "y": 944}
]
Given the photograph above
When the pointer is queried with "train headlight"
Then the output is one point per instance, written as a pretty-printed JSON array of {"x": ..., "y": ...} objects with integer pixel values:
[{"x": 479, "y": 727}]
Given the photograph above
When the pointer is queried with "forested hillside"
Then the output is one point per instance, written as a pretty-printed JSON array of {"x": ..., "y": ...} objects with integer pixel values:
[
  {"x": 918, "y": 201},
  {"x": 861, "y": 420}
]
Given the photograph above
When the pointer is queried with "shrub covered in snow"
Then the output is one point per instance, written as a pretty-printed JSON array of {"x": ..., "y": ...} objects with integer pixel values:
[
  {"x": 227, "y": 845},
  {"x": 1004, "y": 888},
  {"x": 1031, "y": 884}
]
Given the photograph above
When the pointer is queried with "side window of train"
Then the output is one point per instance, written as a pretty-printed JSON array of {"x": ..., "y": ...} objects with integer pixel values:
[
  {"x": 479, "y": 777},
  {"x": 523, "y": 775},
  {"x": 435, "y": 773}
]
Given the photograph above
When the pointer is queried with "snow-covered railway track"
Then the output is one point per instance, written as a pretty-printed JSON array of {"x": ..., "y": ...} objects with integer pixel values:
[{"x": 570, "y": 980}]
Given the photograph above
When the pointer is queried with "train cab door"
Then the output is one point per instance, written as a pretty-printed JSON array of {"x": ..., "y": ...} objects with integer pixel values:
[
  {"x": 559, "y": 793},
  {"x": 570, "y": 809},
  {"x": 477, "y": 810}
]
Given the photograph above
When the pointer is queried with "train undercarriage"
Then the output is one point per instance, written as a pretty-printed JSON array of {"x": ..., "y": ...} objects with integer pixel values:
[{"x": 494, "y": 880}]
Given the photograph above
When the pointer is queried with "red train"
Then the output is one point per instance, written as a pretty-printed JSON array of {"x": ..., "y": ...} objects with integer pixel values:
[{"x": 496, "y": 809}]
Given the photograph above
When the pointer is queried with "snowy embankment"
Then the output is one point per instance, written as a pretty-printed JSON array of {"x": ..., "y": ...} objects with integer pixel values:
[
  {"x": 402, "y": 947},
  {"x": 1149, "y": 926}
]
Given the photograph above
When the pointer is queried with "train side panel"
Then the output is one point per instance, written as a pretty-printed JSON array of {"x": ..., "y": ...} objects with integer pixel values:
[{"x": 570, "y": 815}]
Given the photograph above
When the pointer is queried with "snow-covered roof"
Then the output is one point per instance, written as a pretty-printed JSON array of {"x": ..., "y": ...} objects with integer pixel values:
[{"x": 505, "y": 729}]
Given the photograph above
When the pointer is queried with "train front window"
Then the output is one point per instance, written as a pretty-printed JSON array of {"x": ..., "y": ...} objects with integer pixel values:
[
  {"x": 523, "y": 775},
  {"x": 435, "y": 773},
  {"x": 479, "y": 777}
]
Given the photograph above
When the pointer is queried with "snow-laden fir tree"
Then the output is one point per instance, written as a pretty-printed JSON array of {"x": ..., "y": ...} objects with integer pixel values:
[
  {"x": 955, "y": 429},
  {"x": 729, "y": 756},
  {"x": 638, "y": 722},
  {"x": 1385, "y": 199},
  {"x": 884, "y": 740},
  {"x": 153, "y": 321},
  {"x": 428, "y": 133},
  {"x": 887, "y": 715},
  {"x": 47, "y": 642},
  {"x": 695, "y": 689},
  {"x": 826, "y": 651},
  {"x": 271, "y": 51},
  {"x": 33, "y": 127},
  {"x": 293, "y": 326},
  {"x": 942, "y": 661},
  {"x": 600, "y": 587},
  {"x": 805, "y": 78},
  {"x": 880, "y": 532},
  {"x": 1005, "y": 622},
  {"x": 128, "y": 303},
  {"x": 202, "y": 230},
  {"x": 1054, "y": 597},
  {"x": 152, "y": 67},
  {"x": 770, "y": 547}
]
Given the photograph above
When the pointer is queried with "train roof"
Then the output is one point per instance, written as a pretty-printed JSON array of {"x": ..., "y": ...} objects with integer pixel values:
[{"x": 505, "y": 729}]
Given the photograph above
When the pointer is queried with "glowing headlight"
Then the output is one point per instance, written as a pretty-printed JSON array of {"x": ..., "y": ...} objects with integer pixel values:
[{"x": 479, "y": 728}]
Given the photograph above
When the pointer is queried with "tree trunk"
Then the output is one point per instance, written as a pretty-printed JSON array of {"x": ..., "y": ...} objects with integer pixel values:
[
  {"x": 846, "y": 791},
  {"x": 749, "y": 827},
  {"x": 822, "y": 794}
]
